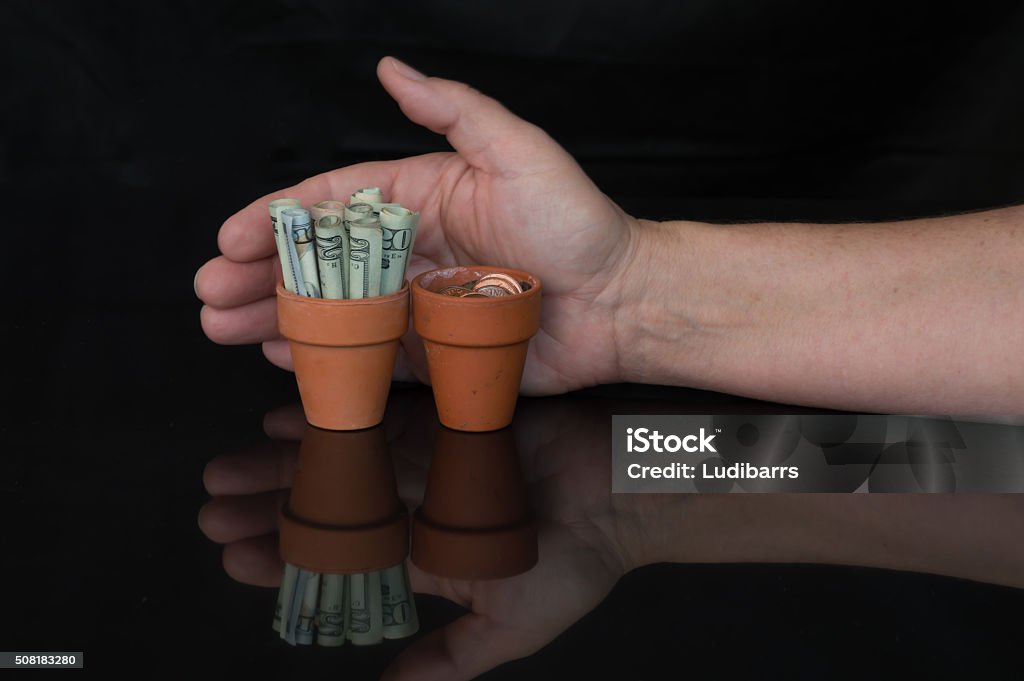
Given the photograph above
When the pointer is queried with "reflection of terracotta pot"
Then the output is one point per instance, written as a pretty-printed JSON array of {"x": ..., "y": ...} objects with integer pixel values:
[
  {"x": 475, "y": 522},
  {"x": 344, "y": 514},
  {"x": 475, "y": 347},
  {"x": 344, "y": 354}
]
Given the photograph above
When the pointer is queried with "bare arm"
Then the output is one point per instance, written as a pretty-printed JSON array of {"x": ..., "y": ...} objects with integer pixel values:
[{"x": 920, "y": 316}]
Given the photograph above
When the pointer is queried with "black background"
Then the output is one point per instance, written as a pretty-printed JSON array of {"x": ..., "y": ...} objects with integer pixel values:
[{"x": 132, "y": 130}]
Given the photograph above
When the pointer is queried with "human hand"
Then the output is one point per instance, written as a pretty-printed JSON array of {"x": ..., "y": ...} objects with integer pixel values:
[{"x": 508, "y": 195}]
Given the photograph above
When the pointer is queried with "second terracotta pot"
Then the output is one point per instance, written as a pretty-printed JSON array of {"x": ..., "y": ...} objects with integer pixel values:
[
  {"x": 344, "y": 354},
  {"x": 475, "y": 347}
]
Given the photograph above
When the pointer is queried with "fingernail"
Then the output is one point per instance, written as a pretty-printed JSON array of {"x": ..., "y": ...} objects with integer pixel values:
[
  {"x": 195, "y": 281},
  {"x": 406, "y": 71}
]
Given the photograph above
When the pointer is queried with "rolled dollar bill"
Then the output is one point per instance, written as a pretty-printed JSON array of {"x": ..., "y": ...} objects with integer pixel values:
[
  {"x": 332, "y": 256},
  {"x": 358, "y": 210},
  {"x": 398, "y": 604},
  {"x": 330, "y": 628},
  {"x": 367, "y": 195},
  {"x": 284, "y": 595},
  {"x": 364, "y": 253},
  {"x": 298, "y": 229},
  {"x": 318, "y": 210},
  {"x": 292, "y": 604},
  {"x": 282, "y": 246},
  {"x": 398, "y": 232},
  {"x": 305, "y": 627},
  {"x": 365, "y": 624}
]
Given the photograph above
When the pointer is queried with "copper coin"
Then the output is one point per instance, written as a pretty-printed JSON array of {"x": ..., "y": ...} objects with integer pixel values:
[
  {"x": 500, "y": 279},
  {"x": 476, "y": 294}
]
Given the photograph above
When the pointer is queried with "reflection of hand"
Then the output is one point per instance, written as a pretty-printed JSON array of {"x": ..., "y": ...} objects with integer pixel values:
[
  {"x": 508, "y": 195},
  {"x": 509, "y": 618}
]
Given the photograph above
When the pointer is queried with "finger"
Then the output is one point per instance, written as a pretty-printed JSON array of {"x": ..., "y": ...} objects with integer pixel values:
[
  {"x": 270, "y": 466},
  {"x": 285, "y": 423},
  {"x": 254, "y": 561},
  {"x": 223, "y": 283},
  {"x": 466, "y": 648},
  {"x": 251, "y": 323},
  {"x": 485, "y": 133},
  {"x": 279, "y": 354},
  {"x": 229, "y": 519},
  {"x": 247, "y": 235}
]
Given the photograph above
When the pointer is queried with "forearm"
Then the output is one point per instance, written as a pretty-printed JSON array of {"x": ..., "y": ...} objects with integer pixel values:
[
  {"x": 968, "y": 536},
  {"x": 923, "y": 316}
]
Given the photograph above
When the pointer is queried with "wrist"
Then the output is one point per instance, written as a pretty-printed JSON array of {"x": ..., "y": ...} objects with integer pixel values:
[{"x": 667, "y": 323}]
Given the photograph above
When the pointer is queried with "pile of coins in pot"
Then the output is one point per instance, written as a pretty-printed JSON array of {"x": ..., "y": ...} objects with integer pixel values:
[{"x": 496, "y": 285}]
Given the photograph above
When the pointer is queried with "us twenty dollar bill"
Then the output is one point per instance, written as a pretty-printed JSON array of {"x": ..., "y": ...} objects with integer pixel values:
[
  {"x": 364, "y": 254},
  {"x": 298, "y": 229},
  {"x": 398, "y": 232}
]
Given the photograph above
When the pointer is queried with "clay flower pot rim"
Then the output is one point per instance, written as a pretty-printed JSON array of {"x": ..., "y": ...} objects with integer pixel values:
[
  {"x": 333, "y": 302},
  {"x": 446, "y": 272}
]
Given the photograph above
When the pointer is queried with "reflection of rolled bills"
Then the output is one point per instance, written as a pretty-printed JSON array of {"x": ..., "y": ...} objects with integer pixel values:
[
  {"x": 332, "y": 256},
  {"x": 276, "y": 206},
  {"x": 307, "y": 611},
  {"x": 298, "y": 228},
  {"x": 364, "y": 258},
  {"x": 333, "y": 611},
  {"x": 284, "y": 596},
  {"x": 365, "y": 625},
  {"x": 398, "y": 231},
  {"x": 399, "y": 606}
]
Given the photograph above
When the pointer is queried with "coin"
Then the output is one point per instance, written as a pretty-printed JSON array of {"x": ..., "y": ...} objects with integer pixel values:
[
  {"x": 507, "y": 282},
  {"x": 492, "y": 291},
  {"x": 476, "y": 294},
  {"x": 454, "y": 291}
]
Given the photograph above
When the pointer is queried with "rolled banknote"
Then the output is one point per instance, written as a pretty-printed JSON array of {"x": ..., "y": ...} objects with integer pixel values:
[
  {"x": 364, "y": 254},
  {"x": 372, "y": 197},
  {"x": 358, "y": 210},
  {"x": 398, "y": 232},
  {"x": 330, "y": 628},
  {"x": 305, "y": 627},
  {"x": 332, "y": 256},
  {"x": 365, "y": 624},
  {"x": 367, "y": 195},
  {"x": 284, "y": 594},
  {"x": 291, "y": 606},
  {"x": 398, "y": 604},
  {"x": 282, "y": 245},
  {"x": 298, "y": 228}
]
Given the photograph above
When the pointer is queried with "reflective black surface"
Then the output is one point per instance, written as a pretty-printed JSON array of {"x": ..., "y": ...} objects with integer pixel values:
[{"x": 104, "y": 480}]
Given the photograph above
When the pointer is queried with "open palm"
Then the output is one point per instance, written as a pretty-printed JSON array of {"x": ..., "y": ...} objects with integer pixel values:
[{"x": 508, "y": 195}]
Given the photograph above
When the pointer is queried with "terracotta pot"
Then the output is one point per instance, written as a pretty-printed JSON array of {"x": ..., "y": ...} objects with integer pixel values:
[
  {"x": 475, "y": 347},
  {"x": 475, "y": 522},
  {"x": 344, "y": 354},
  {"x": 344, "y": 514}
]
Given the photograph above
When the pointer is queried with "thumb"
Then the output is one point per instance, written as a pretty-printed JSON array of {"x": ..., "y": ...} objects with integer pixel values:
[{"x": 486, "y": 134}]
